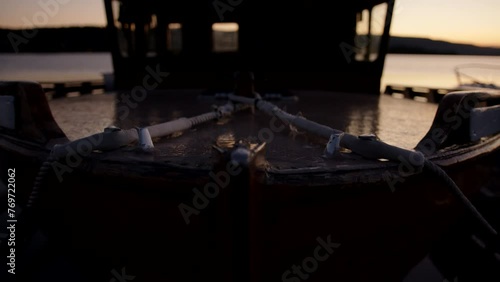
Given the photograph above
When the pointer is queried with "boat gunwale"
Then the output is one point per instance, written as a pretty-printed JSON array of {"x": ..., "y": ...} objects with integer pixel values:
[{"x": 368, "y": 171}]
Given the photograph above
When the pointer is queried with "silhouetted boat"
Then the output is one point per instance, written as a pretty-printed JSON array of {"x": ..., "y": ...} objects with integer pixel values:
[
  {"x": 260, "y": 194},
  {"x": 476, "y": 83}
]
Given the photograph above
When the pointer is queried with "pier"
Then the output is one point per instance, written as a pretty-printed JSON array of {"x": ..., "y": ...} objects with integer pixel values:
[
  {"x": 429, "y": 94},
  {"x": 73, "y": 88}
]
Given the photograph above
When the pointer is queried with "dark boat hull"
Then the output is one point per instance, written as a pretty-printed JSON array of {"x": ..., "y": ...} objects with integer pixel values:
[
  {"x": 292, "y": 217},
  {"x": 127, "y": 219}
]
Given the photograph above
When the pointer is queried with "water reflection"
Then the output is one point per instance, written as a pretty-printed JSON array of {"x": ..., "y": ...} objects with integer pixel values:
[
  {"x": 404, "y": 122},
  {"x": 363, "y": 121},
  {"x": 82, "y": 116}
]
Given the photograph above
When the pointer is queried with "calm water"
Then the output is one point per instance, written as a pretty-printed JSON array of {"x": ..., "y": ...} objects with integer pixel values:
[
  {"x": 54, "y": 67},
  {"x": 414, "y": 70},
  {"x": 435, "y": 70}
]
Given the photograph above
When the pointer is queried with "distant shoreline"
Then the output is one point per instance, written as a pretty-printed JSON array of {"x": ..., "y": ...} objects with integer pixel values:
[
  {"x": 74, "y": 39},
  {"x": 412, "y": 45}
]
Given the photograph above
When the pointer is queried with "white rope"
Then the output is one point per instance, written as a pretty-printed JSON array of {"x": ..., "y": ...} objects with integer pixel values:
[{"x": 106, "y": 141}]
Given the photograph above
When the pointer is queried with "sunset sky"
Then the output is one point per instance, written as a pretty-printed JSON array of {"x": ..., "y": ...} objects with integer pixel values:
[{"x": 463, "y": 21}]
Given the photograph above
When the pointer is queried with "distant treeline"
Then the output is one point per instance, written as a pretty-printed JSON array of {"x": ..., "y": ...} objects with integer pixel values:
[
  {"x": 408, "y": 45},
  {"x": 96, "y": 39}
]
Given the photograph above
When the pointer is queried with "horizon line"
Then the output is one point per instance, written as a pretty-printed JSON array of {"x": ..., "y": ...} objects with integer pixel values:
[{"x": 392, "y": 35}]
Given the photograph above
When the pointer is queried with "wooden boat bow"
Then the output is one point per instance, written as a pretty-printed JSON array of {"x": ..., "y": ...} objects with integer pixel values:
[{"x": 252, "y": 220}]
